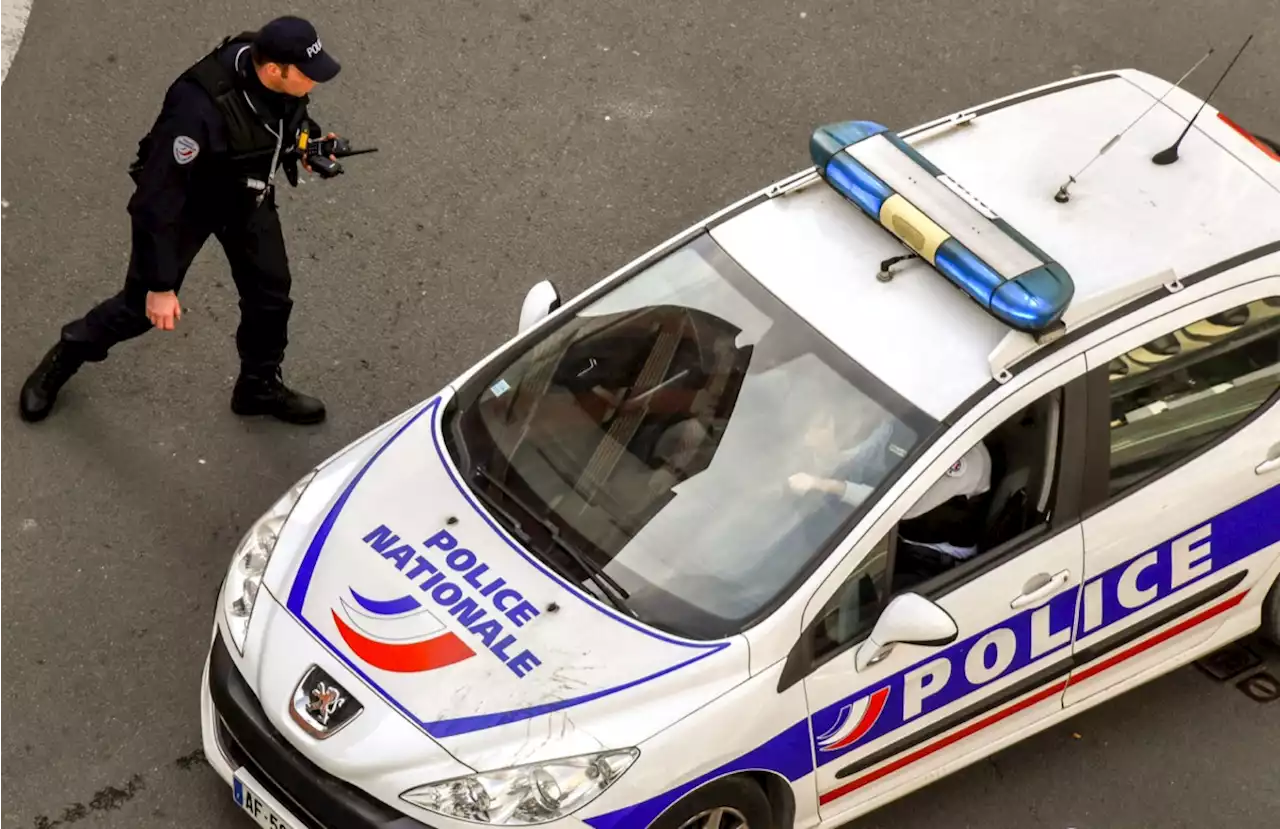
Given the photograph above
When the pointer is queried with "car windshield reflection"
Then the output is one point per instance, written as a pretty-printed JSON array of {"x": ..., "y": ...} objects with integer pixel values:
[{"x": 690, "y": 437}]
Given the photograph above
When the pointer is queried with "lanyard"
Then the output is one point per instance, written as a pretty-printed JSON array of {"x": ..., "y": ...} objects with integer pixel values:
[{"x": 278, "y": 133}]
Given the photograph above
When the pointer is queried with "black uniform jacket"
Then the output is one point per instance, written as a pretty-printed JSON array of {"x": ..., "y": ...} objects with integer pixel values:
[{"x": 192, "y": 167}]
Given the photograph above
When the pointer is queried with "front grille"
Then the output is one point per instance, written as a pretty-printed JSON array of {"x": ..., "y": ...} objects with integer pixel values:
[
  {"x": 239, "y": 758},
  {"x": 316, "y": 797}
]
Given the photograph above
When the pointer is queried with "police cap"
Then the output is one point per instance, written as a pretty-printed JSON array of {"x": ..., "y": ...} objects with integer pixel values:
[{"x": 292, "y": 40}]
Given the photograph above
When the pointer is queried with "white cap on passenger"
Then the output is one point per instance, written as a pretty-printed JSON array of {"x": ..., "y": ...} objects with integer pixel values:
[{"x": 971, "y": 475}]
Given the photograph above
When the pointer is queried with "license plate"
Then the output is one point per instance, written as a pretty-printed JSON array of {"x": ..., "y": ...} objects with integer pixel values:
[{"x": 265, "y": 810}]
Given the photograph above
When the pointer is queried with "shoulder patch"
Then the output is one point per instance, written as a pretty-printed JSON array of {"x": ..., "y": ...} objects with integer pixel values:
[
  {"x": 957, "y": 469},
  {"x": 185, "y": 149}
]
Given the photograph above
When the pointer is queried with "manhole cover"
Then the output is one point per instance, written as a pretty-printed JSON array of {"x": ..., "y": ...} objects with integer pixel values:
[{"x": 1232, "y": 660}]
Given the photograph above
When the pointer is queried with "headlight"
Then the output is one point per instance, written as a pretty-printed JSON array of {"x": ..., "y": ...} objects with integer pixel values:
[
  {"x": 525, "y": 795},
  {"x": 250, "y": 562}
]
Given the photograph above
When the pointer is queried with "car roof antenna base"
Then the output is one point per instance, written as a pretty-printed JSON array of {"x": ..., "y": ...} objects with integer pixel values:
[{"x": 885, "y": 274}]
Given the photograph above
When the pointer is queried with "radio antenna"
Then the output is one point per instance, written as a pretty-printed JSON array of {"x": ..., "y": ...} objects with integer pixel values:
[
  {"x": 1170, "y": 154},
  {"x": 1062, "y": 196}
]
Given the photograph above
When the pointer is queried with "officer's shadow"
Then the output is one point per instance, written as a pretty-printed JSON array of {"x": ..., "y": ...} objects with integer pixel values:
[{"x": 164, "y": 483}]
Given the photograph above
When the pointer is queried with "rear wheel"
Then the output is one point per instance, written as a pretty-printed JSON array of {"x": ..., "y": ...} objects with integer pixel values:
[
  {"x": 729, "y": 803},
  {"x": 1271, "y": 614}
]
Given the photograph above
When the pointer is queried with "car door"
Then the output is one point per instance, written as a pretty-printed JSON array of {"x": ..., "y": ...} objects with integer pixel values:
[
  {"x": 922, "y": 706},
  {"x": 1182, "y": 486}
]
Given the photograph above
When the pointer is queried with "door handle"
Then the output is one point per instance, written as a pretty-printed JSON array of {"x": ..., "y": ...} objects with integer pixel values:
[
  {"x": 1267, "y": 466},
  {"x": 1052, "y": 585},
  {"x": 1271, "y": 464}
]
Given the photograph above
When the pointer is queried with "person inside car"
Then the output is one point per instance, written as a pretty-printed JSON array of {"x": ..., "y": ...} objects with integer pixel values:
[{"x": 940, "y": 530}]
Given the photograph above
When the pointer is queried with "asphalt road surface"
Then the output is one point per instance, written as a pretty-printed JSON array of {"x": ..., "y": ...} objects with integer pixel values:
[{"x": 520, "y": 139}]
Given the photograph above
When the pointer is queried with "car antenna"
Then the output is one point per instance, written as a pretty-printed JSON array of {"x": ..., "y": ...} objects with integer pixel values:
[
  {"x": 1062, "y": 196},
  {"x": 1170, "y": 155}
]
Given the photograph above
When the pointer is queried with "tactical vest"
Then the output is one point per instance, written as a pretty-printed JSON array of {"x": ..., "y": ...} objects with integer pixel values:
[{"x": 250, "y": 145}]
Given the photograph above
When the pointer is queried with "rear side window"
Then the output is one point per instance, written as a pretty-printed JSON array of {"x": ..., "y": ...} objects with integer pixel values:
[{"x": 1183, "y": 390}]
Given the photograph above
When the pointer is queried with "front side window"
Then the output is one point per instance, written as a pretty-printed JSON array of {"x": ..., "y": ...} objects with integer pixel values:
[
  {"x": 672, "y": 444},
  {"x": 996, "y": 499},
  {"x": 851, "y": 613},
  {"x": 1183, "y": 390}
]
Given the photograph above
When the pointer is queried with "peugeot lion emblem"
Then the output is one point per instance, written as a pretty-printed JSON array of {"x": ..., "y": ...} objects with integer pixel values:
[
  {"x": 321, "y": 706},
  {"x": 324, "y": 701}
]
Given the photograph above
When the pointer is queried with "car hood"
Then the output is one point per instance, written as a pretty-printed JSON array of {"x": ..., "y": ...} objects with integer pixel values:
[{"x": 403, "y": 576}]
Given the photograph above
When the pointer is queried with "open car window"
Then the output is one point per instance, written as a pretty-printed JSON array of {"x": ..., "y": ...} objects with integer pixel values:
[{"x": 671, "y": 432}]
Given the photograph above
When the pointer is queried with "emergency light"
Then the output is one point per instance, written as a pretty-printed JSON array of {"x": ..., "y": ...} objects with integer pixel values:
[{"x": 942, "y": 223}]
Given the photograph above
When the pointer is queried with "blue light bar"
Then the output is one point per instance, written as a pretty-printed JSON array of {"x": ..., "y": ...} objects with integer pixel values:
[
  {"x": 976, "y": 250},
  {"x": 828, "y": 141},
  {"x": 858, "y": 183}
]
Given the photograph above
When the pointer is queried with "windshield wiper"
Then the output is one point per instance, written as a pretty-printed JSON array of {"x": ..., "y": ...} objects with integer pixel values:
[
  {"x": 612, "y": 591},
  {"x": 516, "y": 528}
]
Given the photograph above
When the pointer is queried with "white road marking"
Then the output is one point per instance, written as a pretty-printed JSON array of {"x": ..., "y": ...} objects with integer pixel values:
[{"x": 15, "y": 21}]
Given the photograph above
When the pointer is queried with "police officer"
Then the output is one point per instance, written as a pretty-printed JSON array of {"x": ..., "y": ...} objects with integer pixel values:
[
  {"x": 939, "y": 531},
  {"x": 945, "y": 526},
  {"x": 208, "y": 168}
]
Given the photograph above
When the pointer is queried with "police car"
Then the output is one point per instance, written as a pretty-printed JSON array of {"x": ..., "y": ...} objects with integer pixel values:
[{"x": 963, "y": 430}]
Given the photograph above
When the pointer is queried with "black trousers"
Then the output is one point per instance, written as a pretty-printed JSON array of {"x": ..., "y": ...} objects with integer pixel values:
[{"x": 254, "y": 245}]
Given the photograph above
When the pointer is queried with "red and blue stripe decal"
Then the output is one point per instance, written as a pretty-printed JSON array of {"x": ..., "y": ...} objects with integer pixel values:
[
  {"x": 393, "y": 607},
  {"x": 427, "y": 651},
  {"x": 855, "y": 720}
]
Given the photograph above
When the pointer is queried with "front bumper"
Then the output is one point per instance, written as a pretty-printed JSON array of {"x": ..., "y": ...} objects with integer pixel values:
[{"x": 237, "y": 735}]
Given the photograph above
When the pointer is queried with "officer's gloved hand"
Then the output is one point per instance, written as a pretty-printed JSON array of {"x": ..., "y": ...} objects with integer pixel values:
[
  {"x": 803, "y": 482},
  {"x": 852, "y": 493}
]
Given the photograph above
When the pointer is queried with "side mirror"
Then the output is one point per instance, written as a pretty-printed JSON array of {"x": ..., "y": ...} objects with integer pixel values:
[
  {"x": 910, "y": 619},
  {"x": 541, "y": 300}
]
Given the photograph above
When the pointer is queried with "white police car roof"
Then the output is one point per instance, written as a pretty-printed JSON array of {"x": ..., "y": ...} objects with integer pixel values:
[{"x": 1128, "y": 221}]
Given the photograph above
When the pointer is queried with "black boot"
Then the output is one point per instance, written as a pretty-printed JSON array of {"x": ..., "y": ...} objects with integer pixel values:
[
  {"x": 264, "y": 393},
  {"x": 41, "y": 389}
]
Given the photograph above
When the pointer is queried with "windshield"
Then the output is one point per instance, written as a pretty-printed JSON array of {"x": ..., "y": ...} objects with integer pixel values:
[{"x": 689, "y": 438}]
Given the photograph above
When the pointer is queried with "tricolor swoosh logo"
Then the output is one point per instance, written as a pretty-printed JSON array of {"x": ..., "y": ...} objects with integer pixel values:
[
  {"x": 398, "y": 635},
  {"x": 855, "y": 720}
]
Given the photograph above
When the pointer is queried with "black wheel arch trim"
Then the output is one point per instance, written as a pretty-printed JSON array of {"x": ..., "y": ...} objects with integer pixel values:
[{"x": 748, "y": 774}]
